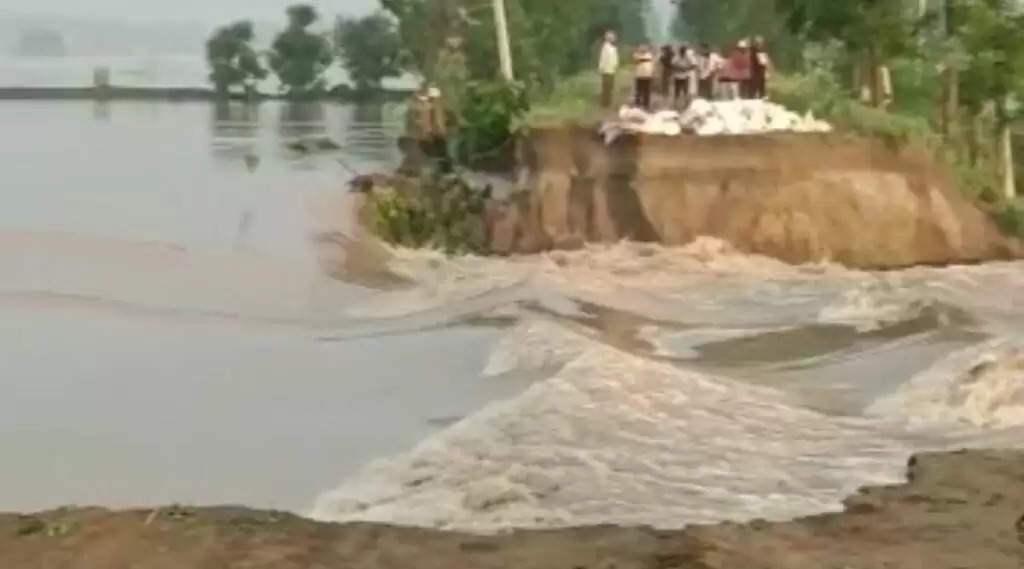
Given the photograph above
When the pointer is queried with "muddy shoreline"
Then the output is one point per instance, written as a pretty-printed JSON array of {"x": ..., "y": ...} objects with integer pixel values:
[{"x": 957, "y": 510}]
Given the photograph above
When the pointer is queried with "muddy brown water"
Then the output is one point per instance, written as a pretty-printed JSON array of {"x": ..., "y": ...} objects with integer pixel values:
[{"x": 168, "y": 334}]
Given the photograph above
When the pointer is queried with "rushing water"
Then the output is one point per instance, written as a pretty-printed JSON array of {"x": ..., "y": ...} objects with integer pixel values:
[{"x": 169, "y": 333}]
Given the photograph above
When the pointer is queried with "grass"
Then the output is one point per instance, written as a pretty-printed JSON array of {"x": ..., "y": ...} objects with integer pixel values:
[
  {"x": 574, "y": 100},
  {"x": 818, "y": 92}
]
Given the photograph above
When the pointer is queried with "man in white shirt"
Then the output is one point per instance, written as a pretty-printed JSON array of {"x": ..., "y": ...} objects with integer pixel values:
[
  {"x": 709, "y": 66},
  {"x": 644, "y": 59},
  {"x": 608, "y": 67}
]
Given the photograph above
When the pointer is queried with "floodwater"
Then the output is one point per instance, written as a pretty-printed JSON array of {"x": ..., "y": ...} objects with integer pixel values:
[
  {"x": 170, "y": 333},
  {"x": 161, "y": 308}
]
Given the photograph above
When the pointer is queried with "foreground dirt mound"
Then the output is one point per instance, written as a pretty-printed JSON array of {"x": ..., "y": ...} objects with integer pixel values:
[
  {"x": 798, "y": 197},
  {"x": 961, "y": 510}
]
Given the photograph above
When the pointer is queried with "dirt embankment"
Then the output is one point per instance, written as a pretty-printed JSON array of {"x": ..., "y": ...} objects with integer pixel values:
[
  {"x": 797, "y": 197},
  {"x": 958, "y": 511}
]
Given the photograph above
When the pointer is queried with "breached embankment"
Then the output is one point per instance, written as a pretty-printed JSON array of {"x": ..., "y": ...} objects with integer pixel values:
[
  {"x": 802, "y": 198},
  {"x": 959, "y": 510}
]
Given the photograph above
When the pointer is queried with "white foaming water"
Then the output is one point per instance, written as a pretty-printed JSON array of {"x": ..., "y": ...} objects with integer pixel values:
[
  {"x": 535, "y": 344},
  {"x": 615, "y": 437},
  {"x": 981, "y": 386}
]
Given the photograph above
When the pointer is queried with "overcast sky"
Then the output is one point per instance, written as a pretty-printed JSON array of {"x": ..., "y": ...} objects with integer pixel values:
[{"x": 205, "y": 11}]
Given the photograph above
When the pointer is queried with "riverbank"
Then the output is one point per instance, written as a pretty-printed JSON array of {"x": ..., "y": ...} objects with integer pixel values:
[
  {"x": 177, "y": 94},
  {"x": 957, "y": 510},
  {"x": 802, "y": 198}
]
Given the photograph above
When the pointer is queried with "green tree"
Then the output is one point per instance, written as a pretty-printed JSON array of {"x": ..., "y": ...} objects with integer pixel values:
[
  {"x": 873, "y": 31},
  {"x": 720, "y": 23},
  {"x": 993, "y": 35},
  {"x": 232, "y": 60},
  {"x": 369, "y": 49},
  {"x": 298, "y": 57},
  {"x": 549, "y": 39}
]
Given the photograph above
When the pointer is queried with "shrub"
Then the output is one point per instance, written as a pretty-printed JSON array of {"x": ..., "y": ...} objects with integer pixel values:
[
  {"x": 436, "y": 211},
  {"x": 1011, "y": 218},
  {"x": 818, "y": 92},
  {"x": 490, "y": 114}
]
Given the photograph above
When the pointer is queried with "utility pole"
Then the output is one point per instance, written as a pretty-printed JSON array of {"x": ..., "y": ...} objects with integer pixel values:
[{"x": 504, "y": 49}]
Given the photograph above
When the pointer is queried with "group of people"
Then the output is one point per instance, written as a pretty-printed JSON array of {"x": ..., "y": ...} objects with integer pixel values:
[{"x": 687, "y": 72}]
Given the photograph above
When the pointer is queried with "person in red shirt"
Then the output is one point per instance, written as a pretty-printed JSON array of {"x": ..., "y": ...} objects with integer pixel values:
[
  {"x": 739, "y": 59},
  {"x": 736, "y": 75}
]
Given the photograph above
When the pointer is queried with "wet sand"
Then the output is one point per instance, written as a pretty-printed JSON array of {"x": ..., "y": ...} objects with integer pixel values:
[{"x": 958, "y": 510}]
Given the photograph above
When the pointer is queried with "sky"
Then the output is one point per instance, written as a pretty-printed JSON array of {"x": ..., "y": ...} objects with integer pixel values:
[{"x": 202, "y": 11}]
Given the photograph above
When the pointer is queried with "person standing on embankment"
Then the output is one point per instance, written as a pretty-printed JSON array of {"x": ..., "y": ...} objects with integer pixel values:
[
  {"x": 709, "y": 70},
  {"x": 668, "y": 55},
  {"x": 608, "y": 66},
  {"x": 426, "y": 127},
  {"x": 760, "y": 67},
  {"x": 685, "y": 65},
  {"x": 644, "y": 59},
  {"x": 418, "y": 128},
  {"x": 736, "y": 78}
]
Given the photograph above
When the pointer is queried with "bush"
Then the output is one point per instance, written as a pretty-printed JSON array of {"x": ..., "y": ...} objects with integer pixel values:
[
  {"x": 490, "y": 114},
  {"x": 818, "y": 92},
  {"x": 574, "y": 100},
  {"x": 437, "y": 211},
  {"x": 1010, "y": 218}
]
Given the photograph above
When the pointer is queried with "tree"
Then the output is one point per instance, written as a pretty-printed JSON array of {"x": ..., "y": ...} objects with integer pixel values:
[
  {"x": 549, "y": 38},
  {"x": 298, "y": 57},
  {"x": 232, "y": 60},
  {"x": 721, "y": 23},
  {"x": 369, "y": 48},
  {"x": 875, "y": 31},
  {"x": 993, "y": 34}
]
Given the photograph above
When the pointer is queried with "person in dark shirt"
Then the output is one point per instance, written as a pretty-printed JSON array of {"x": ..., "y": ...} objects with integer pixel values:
[
  {"x": 760, "y": 65},
  {"x": 665, "y": 61}
]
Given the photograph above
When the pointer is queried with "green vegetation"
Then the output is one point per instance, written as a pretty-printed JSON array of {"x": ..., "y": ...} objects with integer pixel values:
[
  {"x": 490, "y": 114},
  {"x": 957, "y": 70},
  {"x": 574, "y": 100},
  {"x": 720, "y": 23},
  {"x": 819, "y": 92},
  {"x": 944, "y": 75},
  {"x": 232, "y": 60},
  {"x": 437, "y": 211},
  {"x": 550, "y": 40},
  {"x": 299, "y": 57},
  {"x": 369, "y": 48},
  {"x": 1010, "y": 216}
]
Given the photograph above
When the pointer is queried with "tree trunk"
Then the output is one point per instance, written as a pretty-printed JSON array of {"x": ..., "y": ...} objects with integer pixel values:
[
  {"x": 1006, "y": 160},
  {"x": 862, "y": 77},
  {"x": 874, "y": 78},
  {"x": 974, "y": 138},
  {"x": 885, "y": 87},
  {"x": 951, "y": 103}
]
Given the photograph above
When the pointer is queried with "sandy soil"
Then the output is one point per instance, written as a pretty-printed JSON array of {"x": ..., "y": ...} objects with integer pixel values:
[{"x": 960, "y": 510}]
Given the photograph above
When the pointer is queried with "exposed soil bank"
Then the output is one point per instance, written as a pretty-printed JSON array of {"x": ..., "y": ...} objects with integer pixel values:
[
  {"x": 960, "y": 510},
  {"x": 798, "y": 197}
]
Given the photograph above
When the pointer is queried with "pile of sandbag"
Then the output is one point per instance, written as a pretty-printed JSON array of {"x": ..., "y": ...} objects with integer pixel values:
[{"x": 712, "y": 118}]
